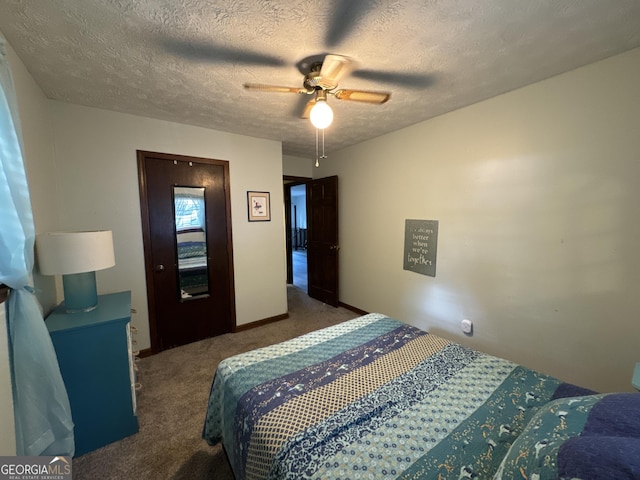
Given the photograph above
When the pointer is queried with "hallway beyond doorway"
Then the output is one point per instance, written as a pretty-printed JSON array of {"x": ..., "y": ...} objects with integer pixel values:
[{"x": 300, "y": 279}]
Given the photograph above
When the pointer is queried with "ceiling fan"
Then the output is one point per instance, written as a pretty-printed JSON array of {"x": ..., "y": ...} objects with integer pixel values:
[{"x": 322, "y": 80}]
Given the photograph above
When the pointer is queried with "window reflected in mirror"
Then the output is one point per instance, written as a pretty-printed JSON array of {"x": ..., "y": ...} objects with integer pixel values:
[{"x": 191, "y": 242}]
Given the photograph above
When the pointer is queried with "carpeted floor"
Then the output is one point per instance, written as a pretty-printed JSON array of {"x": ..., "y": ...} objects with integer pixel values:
[{"x": 173, "y": 400}]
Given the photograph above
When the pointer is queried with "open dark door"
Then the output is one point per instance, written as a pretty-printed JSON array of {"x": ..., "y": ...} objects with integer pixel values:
[{"x": 322, "y": 239}]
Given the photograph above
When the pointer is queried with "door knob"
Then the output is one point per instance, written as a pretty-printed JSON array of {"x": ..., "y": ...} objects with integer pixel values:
[{"x": 159, "y": 268}]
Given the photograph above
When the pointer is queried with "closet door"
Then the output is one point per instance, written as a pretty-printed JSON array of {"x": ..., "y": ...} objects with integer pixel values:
[{"x": 186, "y": 221}]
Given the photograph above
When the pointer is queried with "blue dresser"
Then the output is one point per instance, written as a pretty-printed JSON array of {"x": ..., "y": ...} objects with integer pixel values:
[{"x": 96, "y": 362}]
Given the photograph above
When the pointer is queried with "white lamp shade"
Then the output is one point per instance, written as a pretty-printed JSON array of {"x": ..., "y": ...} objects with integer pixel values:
[
  {"x": 65, "y": 253},
  {"x": 321, "y": 114}
]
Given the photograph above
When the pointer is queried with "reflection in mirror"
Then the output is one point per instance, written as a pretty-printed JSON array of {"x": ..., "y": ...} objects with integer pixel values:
[{"x": 191, "y": 241}]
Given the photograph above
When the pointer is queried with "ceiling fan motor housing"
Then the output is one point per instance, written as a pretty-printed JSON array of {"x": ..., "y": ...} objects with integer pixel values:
[
  {"x": 312, "y": 79},
  {"x": 322, "y": 79}
]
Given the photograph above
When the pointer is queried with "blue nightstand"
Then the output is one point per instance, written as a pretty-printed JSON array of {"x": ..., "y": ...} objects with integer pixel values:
[
  {"x": 636, "y": 377},
  {"x": 94, "y": 353}
]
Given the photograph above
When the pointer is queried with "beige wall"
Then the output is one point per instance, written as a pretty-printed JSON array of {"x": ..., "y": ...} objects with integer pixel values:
[
  {"x": 536, "y": 192},
  {"x": 96, "y": 170},
  {"x": 297, "y": 166}
]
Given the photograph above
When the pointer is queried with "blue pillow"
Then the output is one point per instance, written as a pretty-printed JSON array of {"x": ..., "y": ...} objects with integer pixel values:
[
  {"x": 588, "y": 437},
  {"x": 600, "y": 457}
]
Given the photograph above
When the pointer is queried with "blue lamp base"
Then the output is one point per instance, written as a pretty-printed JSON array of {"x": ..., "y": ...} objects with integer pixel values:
[{"x": 80, "y": 292}]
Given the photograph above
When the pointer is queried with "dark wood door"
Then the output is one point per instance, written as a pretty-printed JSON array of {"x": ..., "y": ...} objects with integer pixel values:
[
  {"x": 187, "y": 301},
  {"x": 322, "y": 239}
]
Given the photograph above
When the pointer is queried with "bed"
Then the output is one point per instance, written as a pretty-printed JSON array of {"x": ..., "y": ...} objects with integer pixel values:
[
  {"x": 192, "y": 261},
  {"x": 376, "y": 398}
]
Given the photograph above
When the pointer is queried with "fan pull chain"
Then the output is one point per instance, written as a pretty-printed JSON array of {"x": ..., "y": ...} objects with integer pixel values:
[
  {"x": 318, "y": 157},
  {"x": 317, "y": 160},
  {"x": 323, "y": 155}
]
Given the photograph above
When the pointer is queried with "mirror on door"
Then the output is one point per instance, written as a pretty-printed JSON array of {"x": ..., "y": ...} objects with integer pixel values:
[{"x": 191, "y": 242}]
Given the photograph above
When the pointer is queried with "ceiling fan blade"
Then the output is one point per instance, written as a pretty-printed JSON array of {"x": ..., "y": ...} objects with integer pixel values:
[
  {"x": 204, "y": 50},
  {"x": 361, "y": 96},
  {"x": 307, "y": 108},
  {"x": 346, "y": 15},
  {"x": 414, "y": 80},
  {"x": 334, "y": 67},
  {"x": 275, "y": 88}
]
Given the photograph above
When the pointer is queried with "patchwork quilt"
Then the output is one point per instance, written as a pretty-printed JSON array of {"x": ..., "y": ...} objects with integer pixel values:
[{"x": 376, "y": 398}]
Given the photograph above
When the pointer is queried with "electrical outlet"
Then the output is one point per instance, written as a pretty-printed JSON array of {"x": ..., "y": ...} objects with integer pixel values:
[{"x": 466, "y": 326}]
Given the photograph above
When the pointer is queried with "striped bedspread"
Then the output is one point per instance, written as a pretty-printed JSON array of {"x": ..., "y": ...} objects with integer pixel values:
[{"x": 370, "y": 398}]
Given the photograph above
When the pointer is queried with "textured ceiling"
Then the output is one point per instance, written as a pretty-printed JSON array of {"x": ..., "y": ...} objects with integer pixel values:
[{"x": 186, "y": 60}]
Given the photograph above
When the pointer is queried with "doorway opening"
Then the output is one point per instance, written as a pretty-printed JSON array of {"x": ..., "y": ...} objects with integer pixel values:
[
  {"x": 299, "y": 235},
  {"x": 296, "y": 225},
  {"x": 320, "y": 237}
]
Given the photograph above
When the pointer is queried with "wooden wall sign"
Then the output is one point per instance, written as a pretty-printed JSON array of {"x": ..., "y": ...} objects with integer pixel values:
[{"x": 420, "y": 246}]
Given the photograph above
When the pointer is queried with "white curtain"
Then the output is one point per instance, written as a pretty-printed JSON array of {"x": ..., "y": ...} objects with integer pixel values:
[{"x": 41, "y": 405}]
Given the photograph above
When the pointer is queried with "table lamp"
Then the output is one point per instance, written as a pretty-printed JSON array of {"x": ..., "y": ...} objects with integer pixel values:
[{"x": 76, "y": 256}]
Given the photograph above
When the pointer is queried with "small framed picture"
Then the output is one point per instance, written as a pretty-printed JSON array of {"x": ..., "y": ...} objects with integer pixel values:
[{"x": 259, "y": 206}]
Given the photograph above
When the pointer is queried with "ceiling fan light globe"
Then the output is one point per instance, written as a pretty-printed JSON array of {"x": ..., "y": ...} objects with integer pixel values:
[{"x": 321, "y": 115}]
